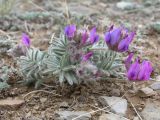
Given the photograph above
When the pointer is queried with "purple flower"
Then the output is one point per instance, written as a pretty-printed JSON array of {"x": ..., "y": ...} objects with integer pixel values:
[
  {"x": 94, "y": 37},
  {"x": 138, "y": 71},
  {"x": 115, "y": 36},
  {"x": 146, "y": 70},
  {"x": 70, "y": 31},
  {"x": 26, "y": 40},
  {"x": 107, "y": 36},
  {"x": 84, "y": 37},
  {"x": 118, "y": 39},
  {"x": 87, "y": 56},
  {"x": 133, "y": 71}
]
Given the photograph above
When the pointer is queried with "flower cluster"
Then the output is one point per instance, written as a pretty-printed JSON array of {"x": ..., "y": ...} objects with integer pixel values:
[
  {"x": 70, "y": 32},
  {"x": 86, "y": 39},
  {"x": 117, "y": 39},
  {"x": 138, "y": 70},
  {"x": 78, "y": 49}
]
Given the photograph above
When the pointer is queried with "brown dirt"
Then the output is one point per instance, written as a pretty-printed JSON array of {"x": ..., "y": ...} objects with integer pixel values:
[{"x": 84, "y": 97}]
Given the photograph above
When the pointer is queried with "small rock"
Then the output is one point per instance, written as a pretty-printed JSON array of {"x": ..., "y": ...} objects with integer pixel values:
[
  {"x": 139, "y": 108},
  {"x": 151, "y": 112},
  {"x": 64, "y": 105},
  {"x": 148, "y": 3},
  {"x": 43, "y": 100},
  {"x": 82, "y": 10},
  {"x": 158, "y": 78},
  {"x": 117, "y": 104},
  {"x": 155, "y": 86},
  {"x": 69, "y": 115},
  {"x": 28, "y": 114},
  {"x": 87, "y": 3},
  {"x": 111, "y": 117},
  {"x": 146, "y": 92},
  {"x": 126, "y": 5},
  {"x": 132, "y": 91},
  {"x": 36, "y": 107},
  {"x": 135, "y": 118},
  {"x": 13, "y": 103},
  {"x": 115, "y": 92},
  {"x": 102, "y": 5},
  {"x": 43, "y": 114}
]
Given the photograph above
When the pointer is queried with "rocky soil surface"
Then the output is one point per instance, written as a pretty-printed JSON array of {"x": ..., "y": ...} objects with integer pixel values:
[{"x": 104, "y": 100}]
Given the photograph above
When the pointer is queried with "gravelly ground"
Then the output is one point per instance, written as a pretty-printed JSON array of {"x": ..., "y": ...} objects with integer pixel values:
[{"x": 41, "y": 18}]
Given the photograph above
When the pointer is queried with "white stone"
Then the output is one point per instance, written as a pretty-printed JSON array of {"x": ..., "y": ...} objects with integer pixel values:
[
  {"x": 126, "y": 5},
  {"x": 43, "y": 100},
  {"x": 69, "y": 115},
  {"x": 135, "y": 118},
  {"x": 155, "y": 86},
  {"x": 111, "y": 117},
  {"x": 151, "y": 111},
  {"x": 146, "y": 92},
  {"x": 118, "y": 105}
]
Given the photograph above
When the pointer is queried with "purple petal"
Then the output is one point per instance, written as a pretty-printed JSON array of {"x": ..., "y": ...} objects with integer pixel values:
[
  {"x": 115, "y": 35},
  {"x": 87, "y": 56},
  {"x": 107, "y": 37},
  {"x": 124, "y": 44},
  {"x": 26, "y": 40},
  {"x": 93, "y": 36},
  {"x": 145, "y": 71},
  {"x": 96, "y": 38},
  {"x": 131, "y": 36},
  {"x": 70, "y": 31},
  {"x": 133, "y": 71}
]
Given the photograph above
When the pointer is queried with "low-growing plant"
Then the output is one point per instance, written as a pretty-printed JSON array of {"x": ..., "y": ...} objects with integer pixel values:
[
  {"x": 81, "y": 55},
  {"x": 5, "y": 44},
  {"x": 4, "y": 75},
  {"x": 6, "y": 6},
  {"x": 32, "y": 66}
]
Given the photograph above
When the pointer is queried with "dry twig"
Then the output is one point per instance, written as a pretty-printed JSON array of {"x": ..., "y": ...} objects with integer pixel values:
[
  {"x": 136, "y": 111},
  {"x": 37, "y": 6},
  {"x": 32, "y": 92},
  {"x": 67, "y": 12}
]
